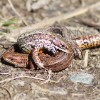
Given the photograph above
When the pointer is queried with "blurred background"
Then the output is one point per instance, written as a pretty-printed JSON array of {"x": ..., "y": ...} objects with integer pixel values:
[{"x": 81, "y": 81}]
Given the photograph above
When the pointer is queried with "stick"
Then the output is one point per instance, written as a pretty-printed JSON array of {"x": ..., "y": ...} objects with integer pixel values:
[
  {"x": 13, "y": 8},
  {"x": 86, "y": 58}
]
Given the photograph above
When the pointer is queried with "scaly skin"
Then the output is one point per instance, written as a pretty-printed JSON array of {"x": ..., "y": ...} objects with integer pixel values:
[
  {"x": 29, "y": 44},
  {"x": 24, "y": 61},
  {"x": 40, "y": 39},
  {"x": 32, "y": 43},
  {"x": 18, "y": 59},
  {"x": 88, "y": 41},
  {"x": 82, "y": 41}
]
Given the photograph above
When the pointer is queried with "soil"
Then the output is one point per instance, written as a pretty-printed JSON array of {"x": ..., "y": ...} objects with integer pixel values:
[{"x": 24, "y": 84}]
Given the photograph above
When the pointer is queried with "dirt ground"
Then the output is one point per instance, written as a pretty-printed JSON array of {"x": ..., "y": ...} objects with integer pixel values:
[{"x": 24, "y": 84}]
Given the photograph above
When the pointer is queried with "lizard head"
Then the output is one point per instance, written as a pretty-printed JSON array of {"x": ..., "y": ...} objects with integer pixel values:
[{"x": 60, "y": 45}]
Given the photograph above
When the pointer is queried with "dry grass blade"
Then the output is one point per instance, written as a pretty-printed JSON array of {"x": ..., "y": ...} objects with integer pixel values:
[
  {"x": 2, "y": 88},
  {"x": 86, "y": 58},
  {"x": 30, "y": 77},
  {"x": 90, "y": 22},
  {"x": 95, "y": 53},
  {"x": 15, "y": 11},
  {"x": 14, "y": 78}
]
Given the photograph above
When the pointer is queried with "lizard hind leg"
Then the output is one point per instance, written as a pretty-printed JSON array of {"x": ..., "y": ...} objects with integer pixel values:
[{"x": 36, "y": 59}]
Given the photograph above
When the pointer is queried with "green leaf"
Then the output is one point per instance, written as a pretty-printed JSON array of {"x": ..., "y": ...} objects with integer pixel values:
[{"x": 9, "y": 22}]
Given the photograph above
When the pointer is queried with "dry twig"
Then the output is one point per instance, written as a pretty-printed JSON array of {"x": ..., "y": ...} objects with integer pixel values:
[
  {"x": 30, "y": 77},
  {"x": 16, "y": 12},
  {"x": 10, "y": 97},
  {"x": 95, "y": 53},
  {"x": 86, "y": 58}
]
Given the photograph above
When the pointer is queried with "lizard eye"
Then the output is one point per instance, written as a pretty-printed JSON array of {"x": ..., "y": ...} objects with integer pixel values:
[{"x": 63, "y": 46}]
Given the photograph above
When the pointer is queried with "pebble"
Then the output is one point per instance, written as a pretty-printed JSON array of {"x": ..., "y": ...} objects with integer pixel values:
[
  {"x": 82, "y": 77},
  {"x": 36, "y": 5}
]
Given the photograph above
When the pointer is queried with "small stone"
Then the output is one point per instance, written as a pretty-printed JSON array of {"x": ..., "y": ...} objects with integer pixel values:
[
  {"x": 82, "y": 77},
  {"x": 37, "y": 4}
]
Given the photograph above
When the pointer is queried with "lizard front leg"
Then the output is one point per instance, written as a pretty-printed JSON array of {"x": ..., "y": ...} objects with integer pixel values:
[{"x": 36, "y": 59}]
